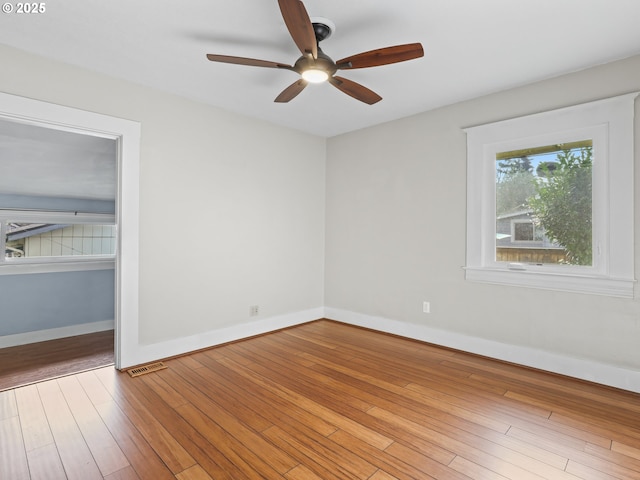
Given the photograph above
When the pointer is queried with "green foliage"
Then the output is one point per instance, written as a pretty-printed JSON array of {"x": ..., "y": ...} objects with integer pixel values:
[
  {"x": 513, "y": 192},
  {"x": 514, "y": 184},
  {"x": 563, "y": 204},
  {"x": 511, "y": 166}
]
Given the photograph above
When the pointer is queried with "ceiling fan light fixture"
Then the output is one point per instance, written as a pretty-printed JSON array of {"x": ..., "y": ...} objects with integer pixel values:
[
  {"x": 315, "y": 75},
  {"x": 314, "y": 66}
]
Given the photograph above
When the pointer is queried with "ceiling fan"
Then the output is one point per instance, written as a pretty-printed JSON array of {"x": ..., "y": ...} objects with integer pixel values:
[{"x": 315, "y": 66}]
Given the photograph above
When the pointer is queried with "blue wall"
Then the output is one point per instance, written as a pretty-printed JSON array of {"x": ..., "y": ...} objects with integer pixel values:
[{"x": 31, "y": 302}]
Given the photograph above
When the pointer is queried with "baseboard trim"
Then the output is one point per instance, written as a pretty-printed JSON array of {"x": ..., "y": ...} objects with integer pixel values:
[
  {"x": 591, "y": 371},
  {"x": 55, "y": 333},
  {"x": 144, "y": 353}
]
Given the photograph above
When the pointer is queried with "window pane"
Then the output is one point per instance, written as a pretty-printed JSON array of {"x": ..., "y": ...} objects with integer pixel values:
[
  {"x": 544, "y": 205},
  {"x": 28, "y": 240},
  {"x": 523, "y": 232}
]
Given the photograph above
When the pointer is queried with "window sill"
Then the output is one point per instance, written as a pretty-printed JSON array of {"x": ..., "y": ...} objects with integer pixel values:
[
  {"x": 589, "y": 284},
  {"x": 57, "y": 267}
]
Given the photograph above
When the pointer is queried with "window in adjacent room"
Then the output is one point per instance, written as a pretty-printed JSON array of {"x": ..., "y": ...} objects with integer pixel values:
[
  {"x": 58, "y": 198},
  {"x": 57, "y": 239},
  {"x": 41, "y": 240},
  {"x": 550, "y": 199}
]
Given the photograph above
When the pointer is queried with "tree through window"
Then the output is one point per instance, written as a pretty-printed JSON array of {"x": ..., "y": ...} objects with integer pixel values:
[{"x": 545, "y": 193}]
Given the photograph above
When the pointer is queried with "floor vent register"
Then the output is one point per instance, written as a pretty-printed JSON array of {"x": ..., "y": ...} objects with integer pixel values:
[{"x": 151, "y": 367}]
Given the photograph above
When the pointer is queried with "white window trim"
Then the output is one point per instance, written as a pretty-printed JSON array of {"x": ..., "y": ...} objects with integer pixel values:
[
  {"x": 610, "y": 123},
  {"x": 19, "y": 266}
]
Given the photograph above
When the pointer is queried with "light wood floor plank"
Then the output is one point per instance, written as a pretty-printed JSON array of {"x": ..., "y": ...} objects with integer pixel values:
[
  {"x": 587, "y": 473},
  {"x": 103, "y": 447},
  {"x": 45, "y": 463},
  {"x": 127, "y": 473},
  {"x": 42, "y": 454},
  {"x": 75, "y": 454},
  {"x": 94, "y": 388},
  {"x": 8, "y": 407},
  {"x": 13, "y": 458},
  {"x": 35, "y": 426}
]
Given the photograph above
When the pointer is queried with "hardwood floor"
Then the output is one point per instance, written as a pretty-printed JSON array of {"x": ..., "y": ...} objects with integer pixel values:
[
  {"x": 321, "y": 401},
  {"x": 35, "y": 362}
]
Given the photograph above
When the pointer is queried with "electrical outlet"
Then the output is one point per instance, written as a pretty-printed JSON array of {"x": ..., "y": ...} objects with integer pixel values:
[
  {"x": 426, "y": 307},
  {"x": 254, "y": 310}
]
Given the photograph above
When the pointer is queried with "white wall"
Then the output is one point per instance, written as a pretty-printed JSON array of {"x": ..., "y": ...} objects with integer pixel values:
[
  {"x": 231, "y": 217},
  {"x": 230, "y": 214},
  {"x": 395, "y": 237}
]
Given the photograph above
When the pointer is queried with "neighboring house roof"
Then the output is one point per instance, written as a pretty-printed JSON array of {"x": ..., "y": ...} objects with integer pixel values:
[
  {"x": 515, "y": 214},
  {"x": 20, "y": 232}
]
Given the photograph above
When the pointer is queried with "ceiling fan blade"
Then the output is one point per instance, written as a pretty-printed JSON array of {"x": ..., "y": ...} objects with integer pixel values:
[
  {"x": 299, "y": 24},
  {"x": 355, "y": 90},
  {"x": 382, "y": 56},
  {"x": 291, "y": 91},
  {"x": 247, "y": 61}
]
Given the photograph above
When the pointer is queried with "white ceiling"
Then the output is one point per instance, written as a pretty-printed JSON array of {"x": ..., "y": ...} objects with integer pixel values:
[
  {"x": 48, "y": 162},
  {"x": 472, "y": 48}
]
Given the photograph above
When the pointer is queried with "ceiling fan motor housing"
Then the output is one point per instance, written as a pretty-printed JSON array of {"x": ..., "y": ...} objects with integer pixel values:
[
  {"x": 323, "y": 62},
  {"x": 322, "y": 31}
]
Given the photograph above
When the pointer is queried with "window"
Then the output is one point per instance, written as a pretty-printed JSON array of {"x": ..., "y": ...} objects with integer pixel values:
[
  {"x": 523, "y": 231},
  {"x": 550, "y": 199},
  {"x": 56, "y": 241}
]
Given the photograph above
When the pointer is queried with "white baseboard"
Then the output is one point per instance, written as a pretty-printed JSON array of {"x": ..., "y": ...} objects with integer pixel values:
[
  {"x": 604, "y": 374},
  {"x": 574, "y": 367},
  {"x": 55, "y": 333},
  {"x": 146, "y": 353}
]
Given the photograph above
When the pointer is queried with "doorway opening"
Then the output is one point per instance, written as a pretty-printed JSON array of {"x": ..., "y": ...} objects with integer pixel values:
[{"x": 69, "y": 224}]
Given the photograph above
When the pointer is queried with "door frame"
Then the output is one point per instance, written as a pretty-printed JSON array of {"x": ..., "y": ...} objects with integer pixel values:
[{"x": 127, "y": 134}]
